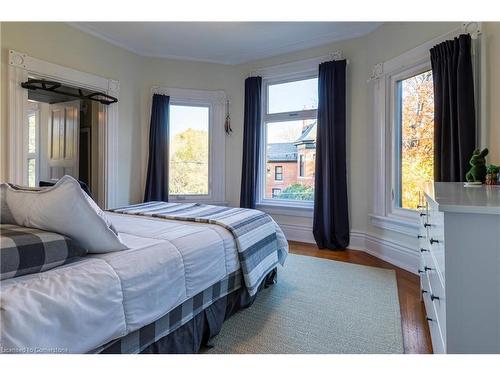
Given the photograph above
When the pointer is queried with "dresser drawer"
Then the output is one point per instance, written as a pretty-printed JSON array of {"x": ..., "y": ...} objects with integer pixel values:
[
  {"x": 438, "y": 301},
  {"x": 422, "y": 213},
  {"x": 431, "y": 269},
  {"x": 432, "y": 318},
  {"x": 435, "y": 238}
]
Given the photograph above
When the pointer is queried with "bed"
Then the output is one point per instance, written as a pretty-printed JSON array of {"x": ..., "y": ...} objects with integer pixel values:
[{"x": 169, "y": 292}]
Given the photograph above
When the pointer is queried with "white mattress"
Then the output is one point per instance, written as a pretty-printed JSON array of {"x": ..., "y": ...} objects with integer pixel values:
[
  {"x": 81, "y": 306},
  {"x": 168, "y": 262}
]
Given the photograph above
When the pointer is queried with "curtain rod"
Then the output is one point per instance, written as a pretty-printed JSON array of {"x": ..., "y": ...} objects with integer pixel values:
[{"x": 336, "y": 55}]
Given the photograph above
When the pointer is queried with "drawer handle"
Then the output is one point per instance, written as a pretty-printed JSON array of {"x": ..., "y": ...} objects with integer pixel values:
[
  {"x": 423, "y": 214},
  {"x": 420, "y": 271},
  {"x": 427, "y": 225},
  {"x": 424, "y": 291},
  {"x": 429, "y": 319},
  {"x": 427, "y": 268},
  {"x": 423, "y": 250},
  {"x": 433, "y": 297},
  {"x": 420, "y": 236},
  {"x": 433, "y": 241}
]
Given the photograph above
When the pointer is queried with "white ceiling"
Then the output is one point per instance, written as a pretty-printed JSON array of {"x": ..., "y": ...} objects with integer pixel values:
[{"x": 222, "y": 42}]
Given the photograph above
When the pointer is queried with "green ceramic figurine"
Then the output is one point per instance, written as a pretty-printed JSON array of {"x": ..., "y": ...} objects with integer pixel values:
[{"x": 478, "y": 162}]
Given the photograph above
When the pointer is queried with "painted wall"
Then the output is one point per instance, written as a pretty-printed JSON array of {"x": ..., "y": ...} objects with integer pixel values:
[{"x": 492, "y": 34}]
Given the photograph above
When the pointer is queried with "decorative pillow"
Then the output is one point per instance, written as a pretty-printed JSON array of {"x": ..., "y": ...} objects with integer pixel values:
[
  {"x": 100, "y": 212},
  {"x": 5, "y": 214},
  {"x": 87, "y": 196},
  {"x": 28, "y": 250},
  {"x": 64, "y": 208}
]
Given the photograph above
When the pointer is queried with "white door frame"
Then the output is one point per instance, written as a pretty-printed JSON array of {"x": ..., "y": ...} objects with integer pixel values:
[{"x": 20, "y": 67}]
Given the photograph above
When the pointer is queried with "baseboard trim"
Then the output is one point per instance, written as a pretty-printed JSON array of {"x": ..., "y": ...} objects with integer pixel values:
[
  {"x": 299, "y": 233},
  {"x": 392, "y": 252}
]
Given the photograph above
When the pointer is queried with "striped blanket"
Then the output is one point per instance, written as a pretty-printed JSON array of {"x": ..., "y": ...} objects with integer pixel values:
[{"x": 260, "y": 242}]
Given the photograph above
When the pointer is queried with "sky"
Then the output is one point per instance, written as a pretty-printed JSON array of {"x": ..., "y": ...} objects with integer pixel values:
[
  {"x": 284, "y": 132},
  {"x": 185, "y": 117},
  {"x": 293, "y": 96}
]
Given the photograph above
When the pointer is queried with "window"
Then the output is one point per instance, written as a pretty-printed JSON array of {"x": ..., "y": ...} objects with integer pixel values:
[
  {"x": 300, "y": 95},
  {"x": 289, "y": 130},
  {"x": 196, "y": 145},
  {"x": 32, "y": 122},
  {"x": 415, "y": 137},
  {"x": 301, "y": 165},
  {"x": 189, "y": 150},
  {"x": 278, "y": 173}
]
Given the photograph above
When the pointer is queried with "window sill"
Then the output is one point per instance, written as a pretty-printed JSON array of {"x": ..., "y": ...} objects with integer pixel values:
[
  {"x": 403, "y": 225},
  {"x": 287, "y": 210}
]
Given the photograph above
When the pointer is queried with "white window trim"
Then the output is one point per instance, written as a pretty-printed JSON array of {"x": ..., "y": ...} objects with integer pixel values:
[
  {"x": 281, "y": 117},
  {"x": 283, "y": 72},
  {"x": 216, "y": 101},
  {"x": 33, "y": 109},
  {"x": 385, "y": 214},
  {"x": 394, "y": 131}
]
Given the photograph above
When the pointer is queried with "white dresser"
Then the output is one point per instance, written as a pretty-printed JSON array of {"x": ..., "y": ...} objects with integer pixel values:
[{"x": 460, "y": 266}]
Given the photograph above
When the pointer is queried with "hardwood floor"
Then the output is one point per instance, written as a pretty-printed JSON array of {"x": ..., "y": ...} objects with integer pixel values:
[{"x": 416, "y": 336}]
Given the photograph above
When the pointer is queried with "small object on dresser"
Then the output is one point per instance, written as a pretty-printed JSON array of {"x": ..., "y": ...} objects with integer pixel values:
[
  {"x": 477, "y": 174},
  {"x": 492, "y": 174}
]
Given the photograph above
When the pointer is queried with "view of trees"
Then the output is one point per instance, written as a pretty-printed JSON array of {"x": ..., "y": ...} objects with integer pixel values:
[
  {"x": 417, "y": 136},
  {"x": 297, "y": 192},
  {"x": 189, "y": 162}
]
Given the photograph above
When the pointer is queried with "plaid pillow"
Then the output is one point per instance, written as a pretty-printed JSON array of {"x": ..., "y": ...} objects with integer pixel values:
[{"x": 28, "y": 250}]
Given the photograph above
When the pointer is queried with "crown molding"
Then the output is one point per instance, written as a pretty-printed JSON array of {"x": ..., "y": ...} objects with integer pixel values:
[{"x": 235, "y": 59}]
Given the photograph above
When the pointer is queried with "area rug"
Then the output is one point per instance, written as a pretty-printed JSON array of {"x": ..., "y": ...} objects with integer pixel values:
[{"x": 318, "y": 306}]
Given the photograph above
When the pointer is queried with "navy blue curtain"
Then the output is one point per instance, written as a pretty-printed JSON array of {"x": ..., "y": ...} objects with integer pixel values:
[
  {"x": 454, "y": 111},
  {"x": 157, "y": 174},
  {"x": 251, "y": 141},
  {"x": 331, "y": 217}
]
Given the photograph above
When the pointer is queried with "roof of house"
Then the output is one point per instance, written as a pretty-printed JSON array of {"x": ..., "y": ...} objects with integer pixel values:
[
  {"x": 308, "y": 134},
  {"x": 281, "y": 152},
  {"x": 288, "y": 151}
]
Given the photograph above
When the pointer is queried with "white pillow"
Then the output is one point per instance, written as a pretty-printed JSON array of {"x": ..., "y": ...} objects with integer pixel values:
[
  {"x": 64, "y": 208},
  {"x": 5, "y": 214}
]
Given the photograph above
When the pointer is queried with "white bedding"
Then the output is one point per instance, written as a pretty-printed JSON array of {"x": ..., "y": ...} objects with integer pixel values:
[{"x": 81, "y": 306}]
